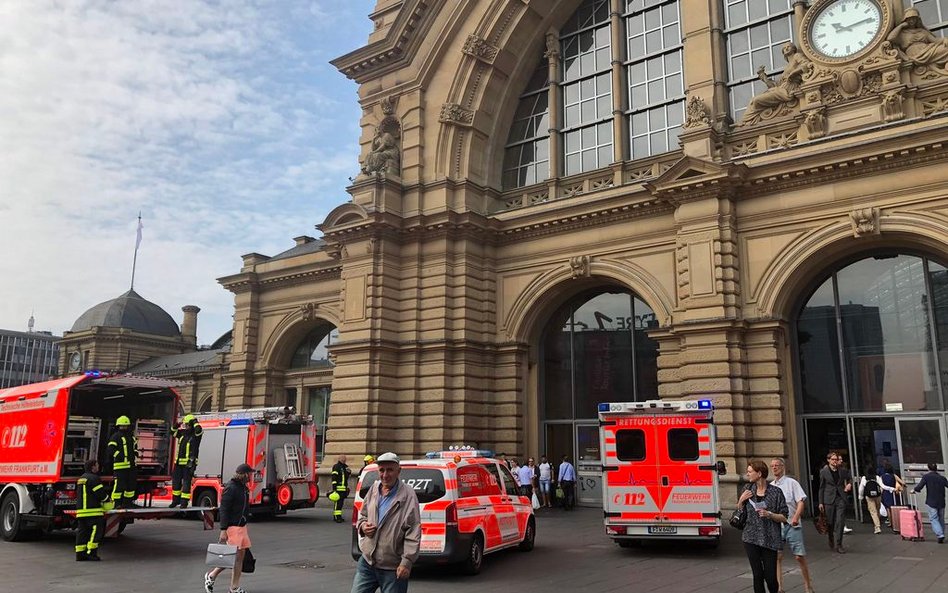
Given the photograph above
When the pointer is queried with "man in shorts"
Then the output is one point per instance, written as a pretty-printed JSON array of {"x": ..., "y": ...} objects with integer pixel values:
[{"x": 792, "y": 529}]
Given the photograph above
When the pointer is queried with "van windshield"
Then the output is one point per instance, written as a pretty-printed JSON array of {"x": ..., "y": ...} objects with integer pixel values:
[{"x": 427, "y": 483}]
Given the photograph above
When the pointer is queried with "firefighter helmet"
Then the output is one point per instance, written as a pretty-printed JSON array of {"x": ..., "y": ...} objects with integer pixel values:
[
  {"x": 123, "y": 421},
  {"x": 368, "y": 459},
  {"x": 189, "y": 419},
  {"x": 334, "y": 496}
]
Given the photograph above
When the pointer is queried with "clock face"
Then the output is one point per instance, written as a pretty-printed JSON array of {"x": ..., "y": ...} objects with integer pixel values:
[
  {"x": 74, "y": 361},
  {"x": 845, "y": 27}
]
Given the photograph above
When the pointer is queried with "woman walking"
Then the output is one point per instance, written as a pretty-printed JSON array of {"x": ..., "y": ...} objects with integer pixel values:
[
  {"x": 766, "y": 510},
  {"x": 235, "y": 502},
  {"x": 871, "y": 490}
]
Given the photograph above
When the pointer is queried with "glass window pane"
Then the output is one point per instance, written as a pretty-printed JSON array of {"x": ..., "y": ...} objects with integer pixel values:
[
  {"x": 640, "y": 147},
  {"x": 573, "y": 164},
  {"x": 603, "y": 346},
  {"x": 630, "y": 445},
  {"x": 739, "y": 42},
  {"x": 761, "y": 57},
  {"x": 818, "y": 351},
  {"x": 635, "y": 25},
  {"x": 656, "y": 118},
  {"x": 756, "y": 9},
  {"x": 588, "y": 111},
  {"x": 676, "y": 114},
  {"x": 670, "y": 13},
  {"x": 604, "y": 106},
  {"x": 656, "y": 91},
  {"x": 736, "y": 15},
  {"x": 658, "y": 142},
  {"x": 589, "y": 160},
  {"x": 587, "y": 64},
  {"x": 673, "y": 63},
  {"x": 639, "y": 123},
  {"x": 673, "y": 86},
  {"x": 571, "y": 116},
  {"x": 637, "y": 46},
  {"x": 605, "y": 155},
  {"x": 938, "y": 281},
  {"x": 639, "y": 97},
  {"x": 652, "y": 19},
  {"x": 740, "y": 67},
  {"x": 570, "y": 69},
  {"x": 780, "y": 30},
  {"x": 777, "y": 6},
  {"x": 572, "y": 141},
  {"x": 654, "y": 67},
  {"x": 637, "y": 72},
  {"x": 759, "y": 36},
  {"x": 605, "y": 132},
  {"x": 603, "y": 59},
  {"x": 670, "y": 35},
  {"x": 589, "y": 137},
  {"x": 682, "y": 444}
]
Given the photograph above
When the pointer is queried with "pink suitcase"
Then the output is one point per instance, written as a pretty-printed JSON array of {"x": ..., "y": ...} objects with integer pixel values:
[{"x": 910, "y": 524}]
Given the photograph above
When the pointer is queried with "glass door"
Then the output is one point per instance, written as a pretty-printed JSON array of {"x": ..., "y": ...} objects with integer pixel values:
[
  {"x": 822, "y": 435},
  {"x": 921, "y": 441},
  {"x": 588, "y": 465},
  {"x": 874, "y": 442}
]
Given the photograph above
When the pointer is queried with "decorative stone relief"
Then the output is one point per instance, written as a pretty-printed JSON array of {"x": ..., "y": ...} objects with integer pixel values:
[
  {"x": 601, "y": 183},
  {"x": 539, "y": 198},
  {"x": 480, "y": 49},
  {"x": 453, "y": 113},
  {"x": 552, "y": 47},
  {"x": 934, "y": 105},
  {"x": 745, "y": 148},
  {"x": 782, "y": 140},
  {"x": 919, "y": 47},
  {"x": 892, "y": 105},
  {"x": 780, "y": 98},
  {"x": 865, "y": 221},
  {"x": 684, "y": 274},
  {"x": 815, "y": 122},
  {"x": 698, "y": 113},
  {"x": 385, "y": 156},
  {"x": 640, "y": 174},
  {"x": 579, "y": 266},
  {"x": 308, "y": 311},
  {"x": 573, "y": 190}
]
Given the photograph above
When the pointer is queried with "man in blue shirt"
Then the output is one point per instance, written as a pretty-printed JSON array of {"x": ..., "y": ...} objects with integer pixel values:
[
  {"x": 567, "y": 481},
  {"x": 934, "y": 485}
]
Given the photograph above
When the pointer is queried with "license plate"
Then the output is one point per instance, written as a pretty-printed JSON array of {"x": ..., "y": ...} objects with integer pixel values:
[
  {"x": 64, "y": 501},
  {"x": 662, "y": 529}
]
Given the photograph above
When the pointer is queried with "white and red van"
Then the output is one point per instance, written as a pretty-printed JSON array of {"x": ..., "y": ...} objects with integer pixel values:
[
  {"x": 659, "y": 475},
  {"x": 470, "y": 506}
]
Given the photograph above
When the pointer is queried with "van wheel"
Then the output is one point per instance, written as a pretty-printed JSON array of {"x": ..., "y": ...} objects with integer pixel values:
[
  {"x": 475, "y": 556},
  {"x": 207, "y": 498},
  {"x": 529, "y": 536},
  {"x": 11, "y": 523}
]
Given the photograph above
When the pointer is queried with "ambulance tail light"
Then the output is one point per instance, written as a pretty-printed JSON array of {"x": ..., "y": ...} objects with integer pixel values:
[
  {"x": 709, "y": 531},
  {"x": 616, "y": 530},
  {"x": 355, "y": 515},
  {"x": 451, "y": 515}
]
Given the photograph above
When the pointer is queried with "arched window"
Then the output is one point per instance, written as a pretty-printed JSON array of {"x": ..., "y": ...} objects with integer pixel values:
[
  {"x": 650, "y": 107},
  {"x": 873, "y": 337},
  {"x": 312, "y": 350}
]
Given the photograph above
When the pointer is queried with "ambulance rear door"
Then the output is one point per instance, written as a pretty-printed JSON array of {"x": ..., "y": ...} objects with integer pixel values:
[
  {"x": 630, "y": 469},
  {"x": 686, "y": 471}
]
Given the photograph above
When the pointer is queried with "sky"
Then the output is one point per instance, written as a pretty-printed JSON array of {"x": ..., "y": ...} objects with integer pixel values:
[{"x": 222, "y": 122}]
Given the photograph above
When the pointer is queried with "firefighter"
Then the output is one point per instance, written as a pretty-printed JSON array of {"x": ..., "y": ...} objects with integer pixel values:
[
  {"x": 123, "y": 449},
  {"x": 340, "y": 487},
  {"x": 367, "y": 461},
  {"x": 91, "y": 497},
  {"x": 188, "y": 440}
]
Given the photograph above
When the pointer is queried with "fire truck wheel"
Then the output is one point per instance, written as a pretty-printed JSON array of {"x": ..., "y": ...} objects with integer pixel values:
[
  {"x": 475, "y": 556},
  {"x": 11, "y": 524},
  {"x": 207, "y": 498},
  {"x": 529, "y": 536}
]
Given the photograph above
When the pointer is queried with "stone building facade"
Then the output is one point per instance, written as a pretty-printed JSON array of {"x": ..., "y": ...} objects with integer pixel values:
[{"x": 574, "y": 201}]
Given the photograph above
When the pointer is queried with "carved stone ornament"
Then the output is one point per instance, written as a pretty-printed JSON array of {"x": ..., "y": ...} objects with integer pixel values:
[
  {"x": 864, "y": 221},
  {"x": 480, "y": 49},
  {"x": 782, "y": 95},
  {"x": 385, "y": 158},
  {"x": 698, "y": 113},
  {"x": 452, "y": 113},
  {"x": 579, "y": 266},
  {"x": 892, "y": 105},
  {"x": 919, "y": 47},
  {"x": 552, "y": 47},
  {"x": 308, "y": 311},
  {"x": 815, "y": 122}
]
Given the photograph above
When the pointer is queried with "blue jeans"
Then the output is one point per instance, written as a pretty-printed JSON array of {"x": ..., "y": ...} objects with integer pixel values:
[
  {"x": 937, "y": 517},
  {"x": 368, "y": 579}
]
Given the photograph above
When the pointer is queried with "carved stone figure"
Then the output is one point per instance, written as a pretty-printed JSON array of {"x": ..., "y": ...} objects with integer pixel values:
[
  {"x": 918, "y": 45},
  {"x": 385, "y": 157},
  {"x": 780, "y": 94}
]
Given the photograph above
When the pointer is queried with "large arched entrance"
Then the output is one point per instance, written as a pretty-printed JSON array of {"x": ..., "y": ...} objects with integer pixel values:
[
  {"x": 594, "y": 348},
  {"x": 871, "y": 345},
  {"x": 308, "y": 378}
]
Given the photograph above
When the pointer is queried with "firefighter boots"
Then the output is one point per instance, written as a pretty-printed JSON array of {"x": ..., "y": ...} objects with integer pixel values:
[
  {"x": 94, "y": 555},
  {"x": 175, "y": 501},
  {"x": 81, "y": 556}
]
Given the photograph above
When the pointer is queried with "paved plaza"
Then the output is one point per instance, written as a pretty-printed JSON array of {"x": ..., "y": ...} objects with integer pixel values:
[{"x": 306, "y": 551}]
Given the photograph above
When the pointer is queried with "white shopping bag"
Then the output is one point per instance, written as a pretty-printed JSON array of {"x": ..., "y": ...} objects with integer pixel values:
[{"x": 535, "y": 501}]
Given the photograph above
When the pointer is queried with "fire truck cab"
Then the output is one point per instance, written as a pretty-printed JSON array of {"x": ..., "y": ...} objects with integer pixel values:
[{"x": 660, "y": 478}]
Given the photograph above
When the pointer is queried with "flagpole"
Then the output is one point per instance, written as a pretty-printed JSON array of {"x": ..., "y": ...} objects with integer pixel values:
[{"x": 138, "y": 240}]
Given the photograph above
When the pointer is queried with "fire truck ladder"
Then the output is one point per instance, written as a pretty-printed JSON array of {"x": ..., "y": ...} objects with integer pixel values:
[{"x": 294, "y": 465}]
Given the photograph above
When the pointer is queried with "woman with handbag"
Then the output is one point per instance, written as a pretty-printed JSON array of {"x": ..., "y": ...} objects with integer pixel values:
[
  {"x": 764, "y": 509},
  {"x": 235, "y": 502}
]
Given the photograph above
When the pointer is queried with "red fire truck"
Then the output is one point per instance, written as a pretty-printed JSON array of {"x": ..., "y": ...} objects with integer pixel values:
[
  {"x": 660, "y": 478},
  {"x": 49, "y": 430},
  {"x": 278, "y": 443}
]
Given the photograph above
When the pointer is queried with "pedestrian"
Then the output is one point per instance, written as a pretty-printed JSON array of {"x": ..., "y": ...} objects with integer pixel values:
[
  {"x": 527, "y": 475},
  {"x": 188, "y": 444},
  {"x": 567, "y": 481},
  {"x": 515, "y": 471},
  {"x": 792, "y": 530},
  {"x": 892, "y": 479},
  {"x": 366, "y": 462},
  {"x": 123, "y": 451},
  {"x": 545, "y": 475},
  {"x": 934, "y": 484},
  {"x": 766, "y": 509},
  {"x": 870, "y": 490},
  {"x": 91, "y": 495},
  {"x": 846, "y": 475},
  {"x": 502, "y": 457},
  {"x": 340, "y": 487},
  {"x": 833, "y": 493},
  {"x": 235, "y": 503},
  {"x": 389, "y": 530}
]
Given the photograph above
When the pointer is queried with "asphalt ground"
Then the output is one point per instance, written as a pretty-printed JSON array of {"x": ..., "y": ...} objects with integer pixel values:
[{"x": 306, "y": 551}]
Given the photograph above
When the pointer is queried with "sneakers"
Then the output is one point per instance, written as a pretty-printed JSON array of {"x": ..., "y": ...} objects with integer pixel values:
[
  {"x": 208, "y": 583},
  {"x": 238, "y": 590},
  {"x": 847, "y": 530}
]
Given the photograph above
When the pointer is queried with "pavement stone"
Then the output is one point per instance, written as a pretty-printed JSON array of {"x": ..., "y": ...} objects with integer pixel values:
[{"x": 306, "y": 551}]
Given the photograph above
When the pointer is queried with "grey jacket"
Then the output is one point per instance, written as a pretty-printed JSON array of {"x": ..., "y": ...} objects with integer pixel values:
[
  {"x": 397, "y": 540},
  {"x": 830, "y": 493}
]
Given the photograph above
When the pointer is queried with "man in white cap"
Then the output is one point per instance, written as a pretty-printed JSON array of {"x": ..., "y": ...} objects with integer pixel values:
[{"x": 389, "y": 529}]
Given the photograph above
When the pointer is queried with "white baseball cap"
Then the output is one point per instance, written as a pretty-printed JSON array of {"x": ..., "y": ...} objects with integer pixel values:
[{"x": 390, "y": 457}]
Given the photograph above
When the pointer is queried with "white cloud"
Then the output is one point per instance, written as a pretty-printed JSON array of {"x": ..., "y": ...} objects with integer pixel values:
[{"x": 213, "y": 118}]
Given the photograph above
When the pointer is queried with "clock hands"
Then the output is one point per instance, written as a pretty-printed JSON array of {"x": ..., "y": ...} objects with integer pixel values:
[{"x": 839, "y": 28}]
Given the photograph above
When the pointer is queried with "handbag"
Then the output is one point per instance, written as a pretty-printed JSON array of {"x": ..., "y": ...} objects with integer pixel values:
[
  {"x": 738, "y": 518},
  {"x": 250, "y": 563},
  {"x": 221, "y": 556},
  {"x": 535, "y": 501},
  {"x": 559, "y": 492},
  {"x": 819, "y": 521}
]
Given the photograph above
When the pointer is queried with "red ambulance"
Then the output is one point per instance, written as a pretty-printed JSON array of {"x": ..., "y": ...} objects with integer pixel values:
[
  {"x": 660, "y": 478},
  {"x": 470, "y": 506},
  {"x": 48, "y": 430}
]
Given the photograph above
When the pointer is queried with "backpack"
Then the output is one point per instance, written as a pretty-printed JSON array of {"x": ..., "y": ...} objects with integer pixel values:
[{"x": 872, "y": 489}]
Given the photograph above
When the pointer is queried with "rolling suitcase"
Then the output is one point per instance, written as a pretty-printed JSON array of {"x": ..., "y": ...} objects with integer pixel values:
[
  {"x": 910, "y": 523},
  {"x": 895, "y": 511}
]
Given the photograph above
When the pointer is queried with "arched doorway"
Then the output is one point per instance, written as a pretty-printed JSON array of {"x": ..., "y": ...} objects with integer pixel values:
[
  {"x": 308, "y": 380},
  {"x": 871, "y": 344},
  {"x": 594, "y": 348}
]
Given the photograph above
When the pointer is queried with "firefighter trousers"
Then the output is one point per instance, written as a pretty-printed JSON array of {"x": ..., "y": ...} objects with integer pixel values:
[
  {"x": 181, "y": 482},
  {"x": 337, "y": 506},
  {"x": 125, "y": 488},
  {"x": 89, "y": 533}
]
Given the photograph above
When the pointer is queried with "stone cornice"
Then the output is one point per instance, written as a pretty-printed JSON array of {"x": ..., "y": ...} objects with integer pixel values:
[
  {"x": 572, "y": 219},
  {"x": 396, "y": 50}
]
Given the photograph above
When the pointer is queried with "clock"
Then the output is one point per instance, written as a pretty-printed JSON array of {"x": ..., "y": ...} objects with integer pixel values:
[
  {"x": 840, "y": 29},
  {"x": 75, "y": 361}
]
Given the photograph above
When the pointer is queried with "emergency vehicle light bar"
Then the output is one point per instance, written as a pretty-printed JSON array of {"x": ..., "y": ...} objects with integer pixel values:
[
  {"x": 657, "y": 405},
  {"x": 459, "y": 453}
]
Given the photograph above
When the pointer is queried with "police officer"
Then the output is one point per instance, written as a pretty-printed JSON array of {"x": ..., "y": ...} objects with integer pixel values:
[
  {"x": 340, "y": 487},
  {"x": 123, "y": 450},
  {"x": 188, "y": 437},
  {"x": 90, "y": 496}
]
